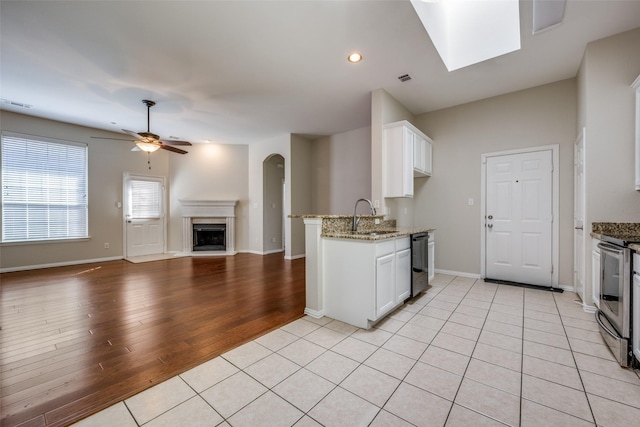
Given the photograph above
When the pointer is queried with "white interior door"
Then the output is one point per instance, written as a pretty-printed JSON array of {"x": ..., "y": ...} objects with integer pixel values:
[
  {"x": 144, "y": 215},
  {"x": 578, "y": 217},
  {"x": 519, "y": 214}
]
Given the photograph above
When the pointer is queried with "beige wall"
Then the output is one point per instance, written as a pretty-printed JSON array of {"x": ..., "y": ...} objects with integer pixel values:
[
  {"x": 386, "y": 109},
  {"x": 300, "y": 186},
  {"x": 108, "y": 160},
  {"x": 209, "y": 172},
  {"x": 606, "y": 106},
  {"x": 341, "y": 171},
  {"x": 539, "y": 116}
]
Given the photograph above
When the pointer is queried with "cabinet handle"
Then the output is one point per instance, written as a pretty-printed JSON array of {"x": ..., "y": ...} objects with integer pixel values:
[{"x": 578, "y": 228}]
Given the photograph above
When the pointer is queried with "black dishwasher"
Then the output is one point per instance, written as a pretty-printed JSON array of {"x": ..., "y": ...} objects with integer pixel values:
[{"x": 419, "y": 263}]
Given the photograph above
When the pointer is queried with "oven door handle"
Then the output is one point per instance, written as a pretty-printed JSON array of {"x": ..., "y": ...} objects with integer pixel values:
[
  {"x": 607, "y": 330},
  {"x": 611, "y": 248}
]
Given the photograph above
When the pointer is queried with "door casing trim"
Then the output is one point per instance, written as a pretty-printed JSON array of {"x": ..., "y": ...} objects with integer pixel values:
[{"x": 555, "y": 204}]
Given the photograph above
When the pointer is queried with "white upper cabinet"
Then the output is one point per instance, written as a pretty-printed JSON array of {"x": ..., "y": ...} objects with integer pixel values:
[
  {"x": 422, "y": 146},
  {"x": 407, "y": 155},
  {"x": 636, "y": 86}
]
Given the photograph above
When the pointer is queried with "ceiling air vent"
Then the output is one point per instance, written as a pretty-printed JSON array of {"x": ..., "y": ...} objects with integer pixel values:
[
  {"x": 404, "y": 78},
  {"x": 16, "y": 104}
]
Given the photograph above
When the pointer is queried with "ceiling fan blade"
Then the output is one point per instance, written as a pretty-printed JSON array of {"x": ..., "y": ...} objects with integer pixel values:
[
  {"x": 174, "y": 142},
  {"x": 132, "y": 133},
  {"x": 136, "y": 148},
  {"x": 174, "y": 149},
  {"x": 113, "y": 139}
]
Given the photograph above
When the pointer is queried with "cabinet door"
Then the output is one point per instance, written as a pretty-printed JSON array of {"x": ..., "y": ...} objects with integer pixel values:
[
  {"x": 403, "y": 275},
  {"x": 418, "y": 155},
  {"x": 385, "y": 284},
  {"x": 407, "y": 162},
  {"x": 428, "y": 157},
  {"x": 636, "y": 86},
  {"x": 431, "y": 257},
  {"x": 398, "y": 168},
  {"x": 595, "y": 276}
]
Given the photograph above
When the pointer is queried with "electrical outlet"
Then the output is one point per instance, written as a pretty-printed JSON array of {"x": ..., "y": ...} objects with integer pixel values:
[
  {"x": 106, "y": 246},
  {"x": 273, "y": 240},
  {"x": 376, "y": 204}
]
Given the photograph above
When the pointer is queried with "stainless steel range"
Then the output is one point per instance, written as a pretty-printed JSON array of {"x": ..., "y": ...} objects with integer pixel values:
[{"x": 614, "y": 316}]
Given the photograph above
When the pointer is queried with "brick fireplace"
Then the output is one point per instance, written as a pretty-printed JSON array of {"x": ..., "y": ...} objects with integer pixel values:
[{"x": 208, "y": 215}]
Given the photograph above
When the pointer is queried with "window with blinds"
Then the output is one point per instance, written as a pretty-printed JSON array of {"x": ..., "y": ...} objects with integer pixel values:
[
  {"x": 146, "y": 199},
  {"x": 44, "y": 189}
]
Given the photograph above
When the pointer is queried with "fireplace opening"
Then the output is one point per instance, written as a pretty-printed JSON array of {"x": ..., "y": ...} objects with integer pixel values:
[{"x": 209, "y": 237}]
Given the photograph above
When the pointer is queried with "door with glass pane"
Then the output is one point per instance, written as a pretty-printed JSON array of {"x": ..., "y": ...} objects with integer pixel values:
[{"x": 144, "y": 215}]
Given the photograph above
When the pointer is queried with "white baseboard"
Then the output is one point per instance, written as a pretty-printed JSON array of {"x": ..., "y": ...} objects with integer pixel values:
[
  {"x": 292, "y": 257},
  {"x": 251, "y": 252},
  {"x": 314, "y": 313},
  {"x": 458, "y": 273},
  {"x": 274, "y": 251},
  {"x": 59, "y": 264}
]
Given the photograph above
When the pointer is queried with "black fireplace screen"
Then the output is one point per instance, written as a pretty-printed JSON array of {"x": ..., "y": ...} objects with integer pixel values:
[{"x": 209, "y": 237}]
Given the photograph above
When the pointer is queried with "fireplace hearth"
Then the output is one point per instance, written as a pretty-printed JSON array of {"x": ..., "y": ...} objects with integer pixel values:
[{"x": 209, "y": 237}]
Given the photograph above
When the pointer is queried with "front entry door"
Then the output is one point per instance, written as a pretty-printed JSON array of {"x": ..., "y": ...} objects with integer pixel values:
[
  {"x": 518, "y": 226},
  {"x": 144, "y": 215}
]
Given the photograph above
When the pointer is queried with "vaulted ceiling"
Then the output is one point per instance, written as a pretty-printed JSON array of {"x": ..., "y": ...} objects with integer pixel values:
[{"x": 245, "y": 71}]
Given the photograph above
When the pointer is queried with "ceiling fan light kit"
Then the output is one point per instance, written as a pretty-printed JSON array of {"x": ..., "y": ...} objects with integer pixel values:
[
  {"x": 149, "y": 147},
  {"x": 150, "y": 142}
]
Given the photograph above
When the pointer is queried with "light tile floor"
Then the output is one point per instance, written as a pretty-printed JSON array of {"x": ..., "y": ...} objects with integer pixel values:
[{"x": 465, "y": 353}]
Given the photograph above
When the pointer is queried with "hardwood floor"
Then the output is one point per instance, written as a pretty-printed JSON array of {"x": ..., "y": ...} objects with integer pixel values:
[{"x": 75, "y": 340}]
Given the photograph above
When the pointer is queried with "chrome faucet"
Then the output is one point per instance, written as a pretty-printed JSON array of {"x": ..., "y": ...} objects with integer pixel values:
[{"x": 356, "y": 220}]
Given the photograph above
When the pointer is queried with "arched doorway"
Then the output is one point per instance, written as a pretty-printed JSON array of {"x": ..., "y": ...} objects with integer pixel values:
[{"x": 273, "y": 204}]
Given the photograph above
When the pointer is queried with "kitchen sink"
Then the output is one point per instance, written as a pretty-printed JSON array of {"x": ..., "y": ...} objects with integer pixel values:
[{"x": 373, "y": 232}]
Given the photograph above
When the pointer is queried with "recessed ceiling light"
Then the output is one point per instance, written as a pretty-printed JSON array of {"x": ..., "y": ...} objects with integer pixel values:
[{"x": 354, "y": 57}]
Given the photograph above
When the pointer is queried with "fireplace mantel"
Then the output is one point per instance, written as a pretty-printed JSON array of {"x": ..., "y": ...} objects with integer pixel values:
[{"x": 208, "y": 211}]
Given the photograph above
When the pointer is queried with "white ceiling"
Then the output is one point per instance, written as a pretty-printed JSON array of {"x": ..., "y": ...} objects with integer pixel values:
[{"x": 245, "y": 71}]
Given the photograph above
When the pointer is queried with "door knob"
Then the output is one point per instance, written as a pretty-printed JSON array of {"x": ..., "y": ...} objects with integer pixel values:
[
  {"x": 490, "y": 225},
  {"x": 490, "y": 217}
]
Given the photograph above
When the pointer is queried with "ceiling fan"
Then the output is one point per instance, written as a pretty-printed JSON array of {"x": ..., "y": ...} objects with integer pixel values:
[{"x": 150, "y": 142}]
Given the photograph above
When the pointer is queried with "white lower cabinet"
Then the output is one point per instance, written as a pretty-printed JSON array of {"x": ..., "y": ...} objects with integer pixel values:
[
  {"x": 431, "y": 263},
  {"x": 595, "y": 272},
  {"x": 365, "y": 280},
  {"x": 636, "y": 306},
  {"x": 385, "y": 279},
  {"x": 403, "y": 275}
]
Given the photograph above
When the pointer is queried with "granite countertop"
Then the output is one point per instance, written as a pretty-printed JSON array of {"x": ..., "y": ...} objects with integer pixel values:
[
  {"x": 323, "y": 216},
  {"x": 388, "y": 233},
  {"x": 339, "y": 227}
]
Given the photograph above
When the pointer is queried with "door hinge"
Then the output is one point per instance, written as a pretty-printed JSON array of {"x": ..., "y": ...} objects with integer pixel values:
[{"x": 552, "y": 269}]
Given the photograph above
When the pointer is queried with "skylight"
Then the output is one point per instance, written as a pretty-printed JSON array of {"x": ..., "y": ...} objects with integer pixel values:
[{"x": 466, "y": 32}]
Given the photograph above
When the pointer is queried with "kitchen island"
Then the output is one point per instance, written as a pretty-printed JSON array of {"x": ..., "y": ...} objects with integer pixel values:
[{"x": 356, "y": 277}]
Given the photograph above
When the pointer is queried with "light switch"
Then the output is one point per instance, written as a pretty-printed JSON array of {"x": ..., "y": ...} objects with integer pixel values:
[{"x": 471, "y": 201}]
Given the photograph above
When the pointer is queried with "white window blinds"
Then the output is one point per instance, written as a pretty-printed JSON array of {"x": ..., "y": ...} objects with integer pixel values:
[
  {"x": 44, "y": 189},
  {"x": 146, "y": 199}
]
